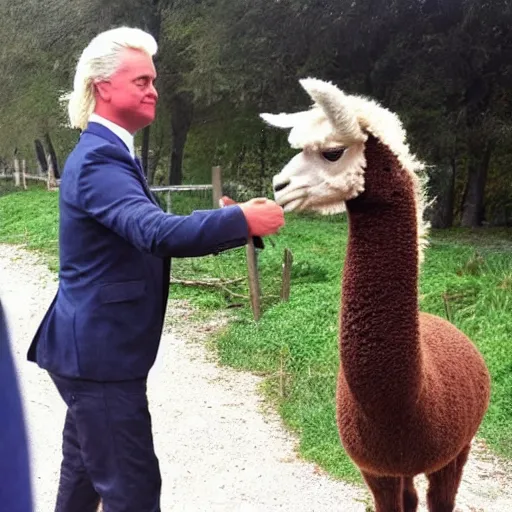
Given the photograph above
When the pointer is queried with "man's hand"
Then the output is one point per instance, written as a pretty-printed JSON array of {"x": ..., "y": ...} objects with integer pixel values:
[{"x": 264, "y": 216}]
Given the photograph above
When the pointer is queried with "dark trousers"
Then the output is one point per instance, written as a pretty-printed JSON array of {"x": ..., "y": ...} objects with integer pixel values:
[{"x": 107, "y": 448}]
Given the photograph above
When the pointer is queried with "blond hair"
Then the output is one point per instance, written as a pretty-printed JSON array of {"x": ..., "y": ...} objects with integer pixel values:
[{"x": 100, "y": 60}]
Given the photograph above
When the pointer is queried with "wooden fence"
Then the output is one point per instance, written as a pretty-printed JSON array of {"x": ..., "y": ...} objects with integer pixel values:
[
  {"x": 215, "y": 187},
  {"x": 20, "y": 175}
]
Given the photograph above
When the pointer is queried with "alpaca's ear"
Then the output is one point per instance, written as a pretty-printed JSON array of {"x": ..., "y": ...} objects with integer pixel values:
[
  {"x": 282, "y": 120},
  {"x": 336, "y": 106}
]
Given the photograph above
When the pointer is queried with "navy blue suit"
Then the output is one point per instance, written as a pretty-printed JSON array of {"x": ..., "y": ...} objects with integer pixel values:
[
  {"x": 15, "y": 479},
  {"x": 105, "y": 322},
  {"x": 115, "y": 243}
]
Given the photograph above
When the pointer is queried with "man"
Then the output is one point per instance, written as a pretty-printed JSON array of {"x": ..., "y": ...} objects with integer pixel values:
[
  {"x": 100, "y": 336},
  {"x": 15, "y": 479}
]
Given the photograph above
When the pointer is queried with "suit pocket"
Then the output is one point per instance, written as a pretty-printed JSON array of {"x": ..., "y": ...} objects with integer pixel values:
[
  {"x": 114, "y": 326},
  {"x": 122, "y": 292}
]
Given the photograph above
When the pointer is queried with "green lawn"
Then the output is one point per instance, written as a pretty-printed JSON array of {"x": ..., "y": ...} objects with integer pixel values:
[{"x": 467, "y": 277}]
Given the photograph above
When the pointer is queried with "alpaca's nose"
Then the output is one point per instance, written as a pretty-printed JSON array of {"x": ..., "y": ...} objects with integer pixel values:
[{"x": 280, "y": 186}]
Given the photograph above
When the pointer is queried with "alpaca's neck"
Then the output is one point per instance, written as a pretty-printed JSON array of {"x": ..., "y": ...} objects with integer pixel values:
[{"x": 379, "y": 343}]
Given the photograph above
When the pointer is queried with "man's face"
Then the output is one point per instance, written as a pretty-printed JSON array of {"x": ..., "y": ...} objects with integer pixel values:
[{"x": 129, "y": 97}]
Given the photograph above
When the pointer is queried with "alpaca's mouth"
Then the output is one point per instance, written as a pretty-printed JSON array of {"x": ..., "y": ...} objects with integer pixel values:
[
  {"x": 292, "y": 205},
  {"x": 290, "y": 200},
  {"x": 308, "y": 198}
]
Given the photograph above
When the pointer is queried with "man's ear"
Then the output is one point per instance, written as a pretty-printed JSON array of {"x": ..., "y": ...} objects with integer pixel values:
[{"x": 103, "y": 89}]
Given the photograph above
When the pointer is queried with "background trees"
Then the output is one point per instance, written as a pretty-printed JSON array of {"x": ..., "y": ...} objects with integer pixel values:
[{"x": 445, "y": 67}]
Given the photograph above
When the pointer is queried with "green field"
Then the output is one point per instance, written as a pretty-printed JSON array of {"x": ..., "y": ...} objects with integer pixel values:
[{"x": 467, "y": 277}]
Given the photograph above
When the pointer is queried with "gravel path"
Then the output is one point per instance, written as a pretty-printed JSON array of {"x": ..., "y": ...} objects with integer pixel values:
[{"x": 218, "y": 451}]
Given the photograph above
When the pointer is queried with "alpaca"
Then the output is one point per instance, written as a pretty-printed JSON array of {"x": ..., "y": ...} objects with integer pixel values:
[{"x": 412, "y": 389}]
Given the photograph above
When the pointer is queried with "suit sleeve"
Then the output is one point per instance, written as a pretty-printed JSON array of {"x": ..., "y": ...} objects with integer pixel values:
[{"x": 111, "y": 192}]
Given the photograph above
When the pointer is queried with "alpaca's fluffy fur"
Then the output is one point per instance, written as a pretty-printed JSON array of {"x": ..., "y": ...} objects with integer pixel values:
[{"x": 325, "y": 125}]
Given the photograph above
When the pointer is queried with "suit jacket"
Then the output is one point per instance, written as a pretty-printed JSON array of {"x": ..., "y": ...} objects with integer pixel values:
[{"x": 115, "y": 245}]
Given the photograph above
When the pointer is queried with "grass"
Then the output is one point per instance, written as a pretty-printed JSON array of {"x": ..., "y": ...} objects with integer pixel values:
[
  {"x": 30, "y": 218},
  {"x": 467, "y": 277}
]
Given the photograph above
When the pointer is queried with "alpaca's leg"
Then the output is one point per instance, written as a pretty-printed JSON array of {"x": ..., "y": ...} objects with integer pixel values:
[
  {"x": 444, "y": 484},
  {"x": 387, "y": 492},
  {"x": 409, "y": 495}
]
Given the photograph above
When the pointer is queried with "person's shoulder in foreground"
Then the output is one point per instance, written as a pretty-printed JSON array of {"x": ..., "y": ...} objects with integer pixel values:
[{"x": 15, "y": 479}]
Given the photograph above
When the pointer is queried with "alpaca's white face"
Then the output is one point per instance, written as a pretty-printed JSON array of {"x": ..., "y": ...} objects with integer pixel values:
[
  {"x": 330, "y": 168},
  {"x": 321, "y": 179}
]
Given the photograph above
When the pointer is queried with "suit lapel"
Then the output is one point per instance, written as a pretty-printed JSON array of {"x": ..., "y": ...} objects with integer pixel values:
[{"x": 103, "y": 132}]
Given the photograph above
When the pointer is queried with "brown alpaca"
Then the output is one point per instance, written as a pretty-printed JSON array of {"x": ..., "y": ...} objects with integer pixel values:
[{"x": 412, "y": 389}]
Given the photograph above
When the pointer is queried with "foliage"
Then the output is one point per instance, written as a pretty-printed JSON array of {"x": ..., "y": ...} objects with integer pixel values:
[{"x": 443, "y": 66}]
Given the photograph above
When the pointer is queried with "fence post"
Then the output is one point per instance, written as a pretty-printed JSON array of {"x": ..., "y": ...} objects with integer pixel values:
[
  {"x": 50, "y": 180},
  {"x": 16, "y": 172},
  {"x": 216, "y": 185},
  {"x": 168, "y": 201},
  {"x": 23, "y": 174},
  {"x": 254, "y": 282},
  {"x": 287, "y": 274}
]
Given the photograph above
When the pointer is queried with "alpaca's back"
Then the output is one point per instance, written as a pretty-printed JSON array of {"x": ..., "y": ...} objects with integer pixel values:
[
  {"x": 457, "y": 384},
  {"x": 450, "y": 408}
]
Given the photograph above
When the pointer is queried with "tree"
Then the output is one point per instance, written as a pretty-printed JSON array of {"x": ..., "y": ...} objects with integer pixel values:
[{"x": 444, "y": 67}]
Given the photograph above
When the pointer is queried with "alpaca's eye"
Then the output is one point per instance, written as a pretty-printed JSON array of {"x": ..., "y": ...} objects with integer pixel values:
[{"x": 333, "y": 155}]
